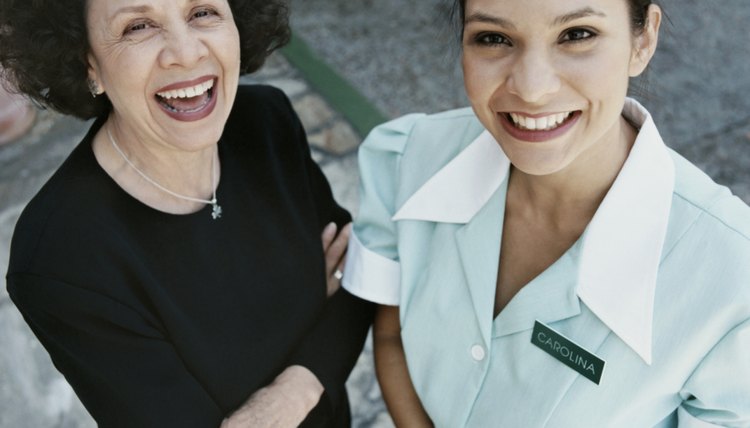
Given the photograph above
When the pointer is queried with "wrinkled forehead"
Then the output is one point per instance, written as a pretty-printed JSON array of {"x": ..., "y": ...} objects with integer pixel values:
[{"x": 111, "y": 9}]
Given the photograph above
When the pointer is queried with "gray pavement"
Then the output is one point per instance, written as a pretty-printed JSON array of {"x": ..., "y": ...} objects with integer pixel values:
[{"x": 399, "y": 54}]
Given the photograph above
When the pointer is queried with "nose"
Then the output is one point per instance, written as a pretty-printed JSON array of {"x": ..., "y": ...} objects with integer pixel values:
[
  {"x": 533, "y": 76},
  {"x": 183, "y": 47}
]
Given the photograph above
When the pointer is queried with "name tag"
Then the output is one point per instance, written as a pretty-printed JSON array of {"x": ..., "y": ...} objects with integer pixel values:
[{"x": 567, "y": 352}]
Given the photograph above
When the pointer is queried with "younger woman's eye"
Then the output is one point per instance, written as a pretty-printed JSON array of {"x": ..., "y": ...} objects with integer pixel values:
[
  {"x": 577, "y": 35},
  {"x": 491, "y": 39}
]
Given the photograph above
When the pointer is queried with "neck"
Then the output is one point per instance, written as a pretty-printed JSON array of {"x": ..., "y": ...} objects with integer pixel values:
[
  {"x": 192, "y": 173},
  {"x": 572, "y": 196}
]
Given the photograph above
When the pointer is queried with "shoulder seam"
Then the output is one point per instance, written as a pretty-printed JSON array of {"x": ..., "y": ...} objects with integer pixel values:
[{"x": 705, "y": 211}]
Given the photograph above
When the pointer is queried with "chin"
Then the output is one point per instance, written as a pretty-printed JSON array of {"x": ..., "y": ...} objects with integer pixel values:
[{"x": 533, "y": 164}]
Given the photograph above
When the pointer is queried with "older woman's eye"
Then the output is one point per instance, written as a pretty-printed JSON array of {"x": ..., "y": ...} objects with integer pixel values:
[
  {"x": 577, "y": 35},
  {"x": 204, "y": 13},
  {"x": 136, "y": 27},
  {"x": 491, "y": 39}
]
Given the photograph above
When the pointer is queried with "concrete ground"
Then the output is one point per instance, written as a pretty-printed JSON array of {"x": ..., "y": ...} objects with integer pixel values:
[{"x": 399, "y": 55}]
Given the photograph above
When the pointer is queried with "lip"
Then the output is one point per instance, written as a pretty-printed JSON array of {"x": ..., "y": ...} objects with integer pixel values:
[
  {"x": 537, "y": 136},
  {"x": 191, "y": 116}
]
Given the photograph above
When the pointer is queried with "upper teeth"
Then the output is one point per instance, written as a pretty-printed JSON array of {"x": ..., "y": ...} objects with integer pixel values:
[
  {"x": 539, "y": 123},
  {"x": 190, "y": 92}
]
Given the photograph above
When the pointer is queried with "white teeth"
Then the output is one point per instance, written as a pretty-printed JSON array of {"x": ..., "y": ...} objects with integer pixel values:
[
  {"x": 193, "y": 91},
  {"x": 545, "y": 123},
  {"x": 541, "y": 123}
]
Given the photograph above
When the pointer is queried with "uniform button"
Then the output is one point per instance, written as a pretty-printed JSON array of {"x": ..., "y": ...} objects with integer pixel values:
[{"x": 477, "y": 352}]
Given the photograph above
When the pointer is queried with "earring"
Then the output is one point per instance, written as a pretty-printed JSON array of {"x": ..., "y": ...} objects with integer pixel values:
[{"x": 94, "y": 88}]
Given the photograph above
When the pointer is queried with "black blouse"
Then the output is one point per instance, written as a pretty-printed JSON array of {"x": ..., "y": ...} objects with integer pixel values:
[{"x": 170, "y": 320}]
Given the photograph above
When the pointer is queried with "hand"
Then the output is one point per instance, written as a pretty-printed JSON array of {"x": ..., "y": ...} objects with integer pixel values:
[
  {"x": 334, "y": 247},
  {"x": 284, "y": 403}
]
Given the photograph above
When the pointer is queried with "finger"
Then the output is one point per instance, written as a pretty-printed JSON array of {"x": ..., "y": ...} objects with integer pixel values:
[
  {"x": 334, "y": 280},
  {"x": 337, "y": 249},
  {"x": 332, "y": 285},
  {"x": 329, "y": 232},
  {"x": 342, "y": 263},
  {"x": 339, "y": 272}
]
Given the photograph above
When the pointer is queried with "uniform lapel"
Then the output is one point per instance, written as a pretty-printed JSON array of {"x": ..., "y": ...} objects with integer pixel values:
[{"x": 478, "y": 244}]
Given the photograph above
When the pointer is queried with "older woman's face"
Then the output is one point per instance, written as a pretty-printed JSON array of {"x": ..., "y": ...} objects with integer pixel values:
[
  {"x": 169, "y": 67},
  {"x": 548, "y": 78}
]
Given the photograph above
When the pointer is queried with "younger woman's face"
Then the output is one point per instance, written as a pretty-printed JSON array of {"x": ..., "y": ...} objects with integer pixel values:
[{"x": 548, "y": 78}]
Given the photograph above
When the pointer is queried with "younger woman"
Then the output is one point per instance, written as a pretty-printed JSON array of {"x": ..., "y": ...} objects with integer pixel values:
[{"x": 547, "y": 260}]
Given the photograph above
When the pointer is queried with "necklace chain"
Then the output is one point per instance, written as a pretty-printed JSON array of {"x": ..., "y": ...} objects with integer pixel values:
[{"x": 215, "y": 213}]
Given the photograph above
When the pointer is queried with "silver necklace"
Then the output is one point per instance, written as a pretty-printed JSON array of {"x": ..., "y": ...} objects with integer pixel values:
[{"x": 215, "y": 213}]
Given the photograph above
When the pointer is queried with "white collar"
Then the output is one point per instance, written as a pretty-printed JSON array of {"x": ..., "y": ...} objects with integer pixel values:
[{"x": 621, "y": 246}]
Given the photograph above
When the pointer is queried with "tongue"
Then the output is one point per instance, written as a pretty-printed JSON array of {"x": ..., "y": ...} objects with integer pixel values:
[{"x": 187, "y": 104}]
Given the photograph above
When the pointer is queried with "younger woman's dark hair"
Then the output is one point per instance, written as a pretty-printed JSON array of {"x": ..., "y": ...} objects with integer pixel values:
[
  {"x": 44, "y": 47},
  {"x": 638, "y": 15}
]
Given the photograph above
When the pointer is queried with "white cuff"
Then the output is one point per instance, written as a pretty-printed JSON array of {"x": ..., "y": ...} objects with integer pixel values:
[
  {"x": 686, "y": 420},
  {"x": 370, "y": 276}
]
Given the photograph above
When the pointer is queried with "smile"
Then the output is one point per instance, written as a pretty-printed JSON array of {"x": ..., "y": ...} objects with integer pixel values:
[
  {"x": 538, "y": 128},
  {"x": 188, "y": 101}
]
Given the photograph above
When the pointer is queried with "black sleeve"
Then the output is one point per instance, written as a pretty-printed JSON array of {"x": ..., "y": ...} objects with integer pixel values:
[
  {"x": 120, "y": 365},
  {"x": 332, "y": 346}
]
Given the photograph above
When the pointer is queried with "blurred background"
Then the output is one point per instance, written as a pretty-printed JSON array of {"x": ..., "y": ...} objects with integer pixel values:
[{"x": 353, "y": 64}]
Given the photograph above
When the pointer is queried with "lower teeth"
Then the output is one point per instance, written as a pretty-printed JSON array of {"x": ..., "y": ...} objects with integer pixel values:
[{"x": 171, "y": 108}]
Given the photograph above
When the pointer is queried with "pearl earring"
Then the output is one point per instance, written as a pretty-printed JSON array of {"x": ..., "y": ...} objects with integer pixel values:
[{"x": 94, "y": 88}]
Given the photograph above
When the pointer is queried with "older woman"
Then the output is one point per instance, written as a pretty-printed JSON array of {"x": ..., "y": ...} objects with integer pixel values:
[
  {"x": 172, "y": 266},
  {"x": 547, "y": 259}
]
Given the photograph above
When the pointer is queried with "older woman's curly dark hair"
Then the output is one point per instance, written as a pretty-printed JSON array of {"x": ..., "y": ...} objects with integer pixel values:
[{"x": 44, "y": 45}]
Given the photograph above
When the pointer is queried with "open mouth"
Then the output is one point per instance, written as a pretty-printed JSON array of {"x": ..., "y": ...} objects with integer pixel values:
[
  {"x": 187, "y": 100},
  {"x": 545, "y": 123}
]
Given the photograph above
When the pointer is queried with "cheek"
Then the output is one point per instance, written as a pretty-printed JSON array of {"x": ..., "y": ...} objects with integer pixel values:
[
  {"x": 230, "y": 49},
  {"x": 599, "y": 76},
  {"x": 126, "y": 74},
  {"x": 481, "y": 79}
]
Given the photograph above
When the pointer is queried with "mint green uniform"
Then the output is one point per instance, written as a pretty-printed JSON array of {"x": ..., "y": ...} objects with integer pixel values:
[{"x": 658, "y": 286}]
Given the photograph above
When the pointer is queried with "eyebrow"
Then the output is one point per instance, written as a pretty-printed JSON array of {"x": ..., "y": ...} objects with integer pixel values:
[
  {"x": 130, "y": 9},
  {"x": 138, "y": 9},
  {"x": 489, "y": 19},
  {"x": 580, "y": 13},
  {"x": 560, "y": 20}
]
